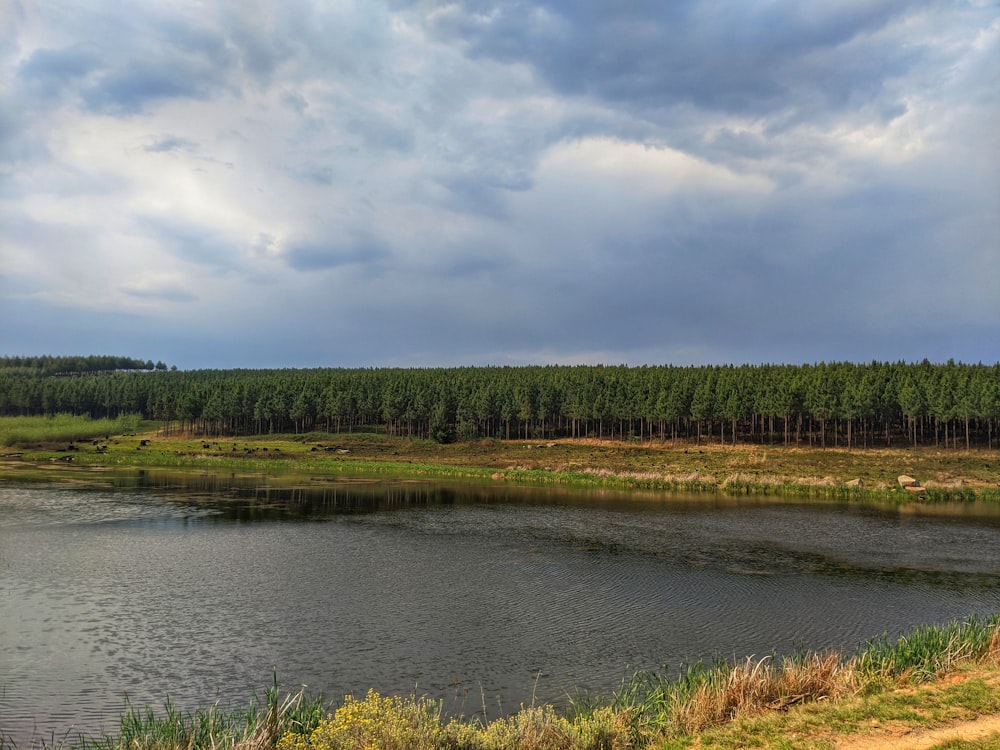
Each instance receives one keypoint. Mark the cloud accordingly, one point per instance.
(52, 71)
(169, 288)
(196, 244)
(646, 171)
(319, 174)
(131, 89)
(169, 144)
(336, 250)
(729, 57)
(380, 133)
(505, 182)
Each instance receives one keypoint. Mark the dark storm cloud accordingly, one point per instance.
(130, 61)
(337, 250)
(53, 70)
(133, 85)
(737, 57)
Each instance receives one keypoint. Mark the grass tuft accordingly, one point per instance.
(257, 726)
(928, 652)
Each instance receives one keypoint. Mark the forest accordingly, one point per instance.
(93, 363)
(839, 404)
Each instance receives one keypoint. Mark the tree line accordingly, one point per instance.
(93, 363)
(827, 404)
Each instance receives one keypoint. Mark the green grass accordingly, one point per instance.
(746, 470)
(821, 725)
(863, 701)
(926, 652)
(948, 475)
(258, 725)
(743, 700)
(987, 744)
(62, 428)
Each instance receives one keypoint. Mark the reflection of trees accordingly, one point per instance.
(271, 497)
(769, 559)
(258, 498)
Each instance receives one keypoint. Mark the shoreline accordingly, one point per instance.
(865, 474)
(935, 686)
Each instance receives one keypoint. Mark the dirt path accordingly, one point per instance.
(921, 739)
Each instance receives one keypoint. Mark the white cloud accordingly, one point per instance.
(641, 172)
(159, 286)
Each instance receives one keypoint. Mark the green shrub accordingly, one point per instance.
(376, 722)
(392, 723)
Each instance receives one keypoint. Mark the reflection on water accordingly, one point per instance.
(195, 587)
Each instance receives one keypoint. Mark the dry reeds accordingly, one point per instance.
(756, 685)
(704, 696)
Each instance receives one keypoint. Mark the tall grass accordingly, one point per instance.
(707, 695)
(24, 431)
(928, 652)
(257, 726)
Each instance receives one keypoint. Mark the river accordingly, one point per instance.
(156, 587)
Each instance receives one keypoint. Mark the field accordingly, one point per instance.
(16, 431)
(945, 474)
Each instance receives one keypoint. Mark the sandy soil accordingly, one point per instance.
(902, 737)
(921, 739)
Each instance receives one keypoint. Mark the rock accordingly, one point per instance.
(906, 481)
(856, 483)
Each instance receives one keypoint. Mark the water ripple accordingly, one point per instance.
(156, 595)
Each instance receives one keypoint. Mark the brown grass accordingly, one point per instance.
(760, 685)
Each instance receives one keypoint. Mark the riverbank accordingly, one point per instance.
(934, 687)
(863, 474)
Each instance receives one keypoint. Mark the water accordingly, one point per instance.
(200, 590)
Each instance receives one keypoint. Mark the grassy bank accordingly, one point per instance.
(62, 428)
(932, 677)
(734, 470)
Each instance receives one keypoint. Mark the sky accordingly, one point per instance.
(307, 183)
